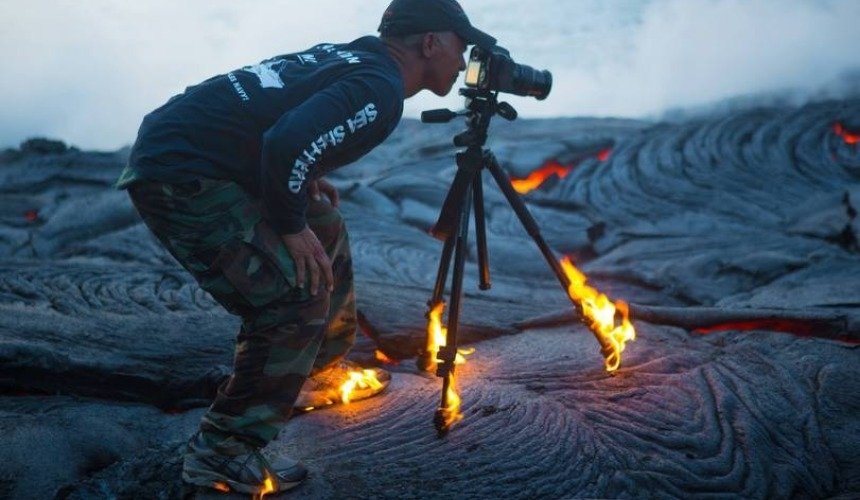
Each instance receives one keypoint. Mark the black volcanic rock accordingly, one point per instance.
(42, 146)
(734, 238)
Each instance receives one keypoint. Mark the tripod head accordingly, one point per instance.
(481, 107)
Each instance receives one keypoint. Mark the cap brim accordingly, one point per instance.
(474, 36)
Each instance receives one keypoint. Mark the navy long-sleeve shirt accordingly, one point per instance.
(276, 125)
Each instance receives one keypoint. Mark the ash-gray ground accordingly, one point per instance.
(733, 237)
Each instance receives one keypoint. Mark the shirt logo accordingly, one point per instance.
(269, 73)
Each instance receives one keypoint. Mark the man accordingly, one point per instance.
(228, 176)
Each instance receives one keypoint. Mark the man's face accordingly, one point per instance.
(447, 63)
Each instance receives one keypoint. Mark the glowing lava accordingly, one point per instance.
(364, 379)
(536, 178)
(848, 137)
(222, 487)
(603, 155)
(382, 358)
(547, 170)
(600, 313)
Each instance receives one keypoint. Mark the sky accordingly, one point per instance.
(87, 71)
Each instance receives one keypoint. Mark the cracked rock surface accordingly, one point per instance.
(734, 237)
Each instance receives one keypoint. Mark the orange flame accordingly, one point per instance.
(451, 414)
(436, 334)
(358, 380)
(382, 358)
(848, 137)
(268, 487)
(600, 312)
(435, 340)
(536, 178)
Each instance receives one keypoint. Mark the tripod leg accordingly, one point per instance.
(481, 233)
(448, 412)
(532, 228)
(523, 214)
(442, 274)
(425, 361)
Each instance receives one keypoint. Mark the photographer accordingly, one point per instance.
(228, 176)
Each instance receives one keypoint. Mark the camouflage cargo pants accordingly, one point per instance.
(216, 231)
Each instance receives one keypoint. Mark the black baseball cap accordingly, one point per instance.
(407, 17)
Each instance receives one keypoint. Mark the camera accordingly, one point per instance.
(494, 70)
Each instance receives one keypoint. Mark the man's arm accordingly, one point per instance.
(351, 115)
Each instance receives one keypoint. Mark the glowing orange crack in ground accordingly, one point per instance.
(848, 137)
(539, 176)
(547, 170)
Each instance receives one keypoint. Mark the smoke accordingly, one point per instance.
(696, 52)
(87, 72)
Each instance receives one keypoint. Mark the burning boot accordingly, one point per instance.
(344, 382)
(247, 471)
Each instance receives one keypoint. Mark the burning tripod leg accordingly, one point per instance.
(448, 412)
(435, 335)
(570, 278)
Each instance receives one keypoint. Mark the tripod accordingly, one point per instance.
(452, 227)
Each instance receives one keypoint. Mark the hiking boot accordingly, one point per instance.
(344, 382)
(248, 472)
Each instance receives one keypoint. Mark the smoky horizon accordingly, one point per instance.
(87, 73)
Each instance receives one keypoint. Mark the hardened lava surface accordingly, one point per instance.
(734, 237)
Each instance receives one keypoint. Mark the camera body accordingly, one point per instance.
(494, 70)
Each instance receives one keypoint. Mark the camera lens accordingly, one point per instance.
(520, 79)
(528, 81)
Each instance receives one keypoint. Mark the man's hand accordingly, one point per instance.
(310, 258)
(321, 186)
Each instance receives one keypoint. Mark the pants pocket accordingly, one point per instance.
(251, 271)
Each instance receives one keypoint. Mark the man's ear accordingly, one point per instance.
(429, 44)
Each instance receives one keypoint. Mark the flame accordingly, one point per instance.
(268, 487)
(536, 178)
(382, 358)
(600, 312)
(451, 414)
(435, 340)
(848, 137)
(358, 380)
(436, 336)
(435, 331)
